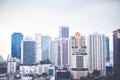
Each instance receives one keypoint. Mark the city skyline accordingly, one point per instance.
(45, 17)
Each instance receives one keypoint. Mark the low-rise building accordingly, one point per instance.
(34, 69)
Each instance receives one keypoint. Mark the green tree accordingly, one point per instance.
(110, 77)
(84, 78)
(44, 74)
(96, 73)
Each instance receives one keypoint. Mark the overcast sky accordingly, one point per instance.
(45, 17)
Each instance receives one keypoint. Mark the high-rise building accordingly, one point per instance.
(78, 52)
(107, 50)
(64, 45)
(64, 32)
(116, 53)
(65, 52)
(96, 52)
(54, 52)
(16, 45)
(28, 51)
(38, 47)
(45, 44)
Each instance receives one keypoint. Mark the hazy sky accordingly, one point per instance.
(45, 17)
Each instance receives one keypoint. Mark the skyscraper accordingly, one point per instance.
(28, 51)
(64, 32)
(45, 44)
(96, 52)
(107, 50)
(38, 47)
(116, 53)
(16, 45)
(64, 45)
(54, 52)
(78, 52)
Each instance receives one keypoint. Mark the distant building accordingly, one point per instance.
(116, 53)
(107, 50)
(63, 75)
(64, 45)
(38, 47)
(78, 52)
(34, 69)
(3, 68)
(111, 58)
(16, 45)
(1, 59)
(28, 51)
(64, 32)
(45, 44)
(12, 64)
(109, 68)
(51, 71)
(96, 52)
(54, 52)
(78, 74)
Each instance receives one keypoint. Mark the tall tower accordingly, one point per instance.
(96, 52)
(54, 52)
(45, 44)
(116, 53)
(64, 45)
(38, 47)
(64, 32)
(78, 52)
(16, 45)
(28, 53)
(107, 50)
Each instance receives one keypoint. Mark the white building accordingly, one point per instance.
(96, 52)
(12, 64)
(38, 47)
(34, 69)
(54, 52)
(78, 52)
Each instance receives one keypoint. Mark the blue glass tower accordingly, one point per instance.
(64, 32)
(107, 56)
(45, 42)
(28, 52)
(16, 45)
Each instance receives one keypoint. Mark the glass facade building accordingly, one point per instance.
(28, 52)
(16, 45)
(64, 32)
(107, 51)
(45, 45)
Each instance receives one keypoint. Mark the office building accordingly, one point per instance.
(54, 52)
(28, 51)
(64, 45)
(96, 52)
(78, 52)
(45, 45)
(107, 50)
(116, 53)
(64, 32)
(38, 47)
(16, 45)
